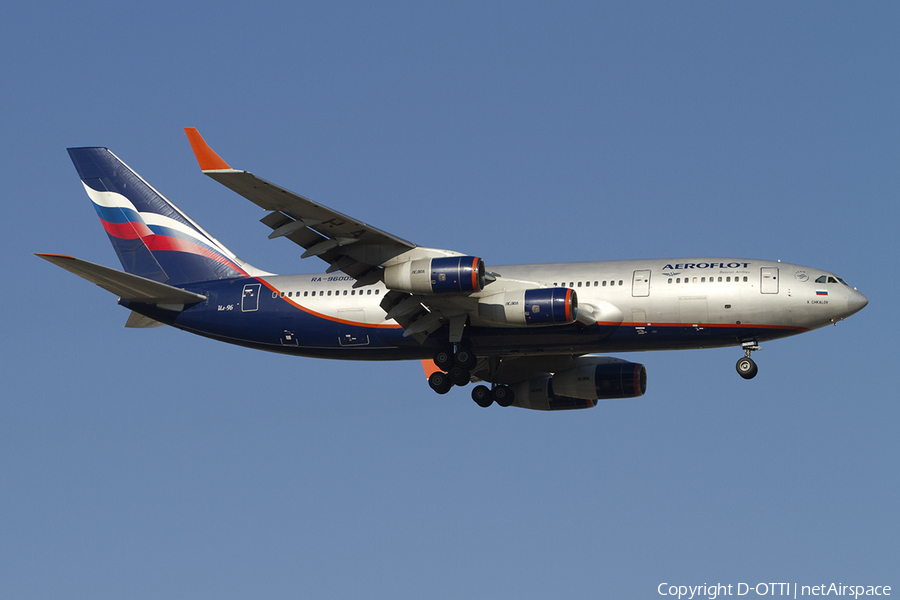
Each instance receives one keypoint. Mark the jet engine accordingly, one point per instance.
(544, 306)
(450, 274)
(581, 387)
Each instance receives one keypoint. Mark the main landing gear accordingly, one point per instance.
(484, 396)
(456, 369)
(746, 368)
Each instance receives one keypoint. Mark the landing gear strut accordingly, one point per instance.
(746, 368)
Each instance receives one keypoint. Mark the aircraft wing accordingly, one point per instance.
(428, 287)
(346, 244)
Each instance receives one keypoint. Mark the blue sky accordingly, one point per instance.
(151, 463)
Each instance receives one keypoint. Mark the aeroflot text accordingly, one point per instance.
(731, 265)
(771, 589)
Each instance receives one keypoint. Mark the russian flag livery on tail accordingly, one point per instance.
(151, 236)
(529, 336)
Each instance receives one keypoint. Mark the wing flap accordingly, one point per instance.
(125, 285)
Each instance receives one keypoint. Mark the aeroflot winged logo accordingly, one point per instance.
(708, 265)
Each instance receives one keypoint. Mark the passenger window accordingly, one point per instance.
(695, 280)
(703, 280)
(368, 292)
(720, 280)
(377, 292)
(305, 294)
(670, 280)
(621, 282)
(571, 284)
(728, 279)
(745, 279)
(604, 284)
(596, 283)
(579, 284)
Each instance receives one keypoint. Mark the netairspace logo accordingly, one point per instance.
(771, 589)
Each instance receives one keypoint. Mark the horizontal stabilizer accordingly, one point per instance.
(125, 285)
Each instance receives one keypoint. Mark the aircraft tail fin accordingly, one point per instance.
(151, 236)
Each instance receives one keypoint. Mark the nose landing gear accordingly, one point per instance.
(746, 368)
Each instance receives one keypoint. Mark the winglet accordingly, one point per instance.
(208, 159)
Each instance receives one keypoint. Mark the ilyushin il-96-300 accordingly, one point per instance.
(527, 335)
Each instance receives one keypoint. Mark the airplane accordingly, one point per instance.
(532, 336)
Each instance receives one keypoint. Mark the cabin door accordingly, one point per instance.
(640, 284)
(768, 280)
(250, 297)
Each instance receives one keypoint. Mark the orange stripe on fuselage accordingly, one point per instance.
(739, 326)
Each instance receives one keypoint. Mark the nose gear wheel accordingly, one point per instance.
(746, 368)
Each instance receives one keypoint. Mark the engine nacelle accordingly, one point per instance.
(611, 378)
(581, 387)
(450, 274)
(537, 394)
(543, 306)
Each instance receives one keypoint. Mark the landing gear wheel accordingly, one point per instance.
(443, 359)
(482, 396)
(746, 368)
(459, 376)
(440, 382)
(503, 395)
(466, 359)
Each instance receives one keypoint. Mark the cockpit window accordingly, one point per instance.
(830, 279)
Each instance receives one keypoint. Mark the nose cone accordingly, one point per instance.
(856, 302)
